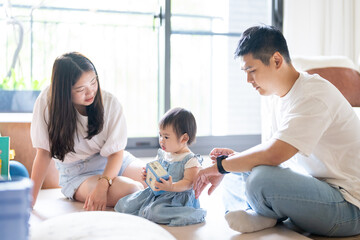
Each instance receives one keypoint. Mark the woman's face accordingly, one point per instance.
(83, 92)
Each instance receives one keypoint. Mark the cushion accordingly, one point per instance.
(347, 80)
(98, 225)
(304, 63)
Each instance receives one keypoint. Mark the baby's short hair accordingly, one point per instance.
(182, 121)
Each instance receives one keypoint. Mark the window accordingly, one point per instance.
(147, 64)
(118, 36)
(204, 75)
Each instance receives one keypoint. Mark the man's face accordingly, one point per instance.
(258, 74)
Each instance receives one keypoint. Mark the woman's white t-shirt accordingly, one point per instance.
(315, 118)
(111, 139)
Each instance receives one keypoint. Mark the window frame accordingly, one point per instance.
(147, 146)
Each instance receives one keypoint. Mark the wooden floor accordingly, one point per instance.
(323, 238)
(315, 237)
(51, 203)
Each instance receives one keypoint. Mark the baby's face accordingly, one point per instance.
(169, 141)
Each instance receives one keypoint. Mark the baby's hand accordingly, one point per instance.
(164, 185)
(143, 173)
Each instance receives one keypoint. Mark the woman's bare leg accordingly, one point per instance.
(134, 171)
(121, 187)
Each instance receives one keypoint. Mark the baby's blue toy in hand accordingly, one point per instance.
(155, 171)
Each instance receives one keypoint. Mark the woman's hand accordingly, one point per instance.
(164, 185)
(97, 199)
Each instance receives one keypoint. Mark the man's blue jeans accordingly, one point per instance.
(309, 203)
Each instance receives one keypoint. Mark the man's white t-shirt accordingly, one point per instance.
(111, 139)
(315, 118)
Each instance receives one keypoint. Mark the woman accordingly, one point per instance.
(83, 129)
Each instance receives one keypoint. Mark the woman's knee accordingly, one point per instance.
(128, 185)
(134, 171)
(121, 187)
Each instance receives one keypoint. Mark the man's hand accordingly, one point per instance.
(220, 151)
(205, 176)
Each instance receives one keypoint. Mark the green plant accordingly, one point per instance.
(5, 84)
(36, 84)
(15, 83)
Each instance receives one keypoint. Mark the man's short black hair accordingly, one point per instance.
(262, 42)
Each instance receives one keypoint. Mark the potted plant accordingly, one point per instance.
(18, 96)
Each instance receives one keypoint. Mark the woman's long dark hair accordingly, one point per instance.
(67, 70)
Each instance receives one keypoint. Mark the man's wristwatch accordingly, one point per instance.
(220, 167)
(107, 178)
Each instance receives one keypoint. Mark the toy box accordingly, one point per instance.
(15, 208)
(154, 171)
(4, 157)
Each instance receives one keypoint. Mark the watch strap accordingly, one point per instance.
(109, 180)
(220, 167)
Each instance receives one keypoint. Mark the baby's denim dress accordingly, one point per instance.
(170, 208)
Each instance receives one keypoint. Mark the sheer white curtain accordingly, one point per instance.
(323, 28)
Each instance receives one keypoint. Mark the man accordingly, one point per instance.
(312, 125)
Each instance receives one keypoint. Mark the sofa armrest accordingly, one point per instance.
(339, 70)
(347, 80)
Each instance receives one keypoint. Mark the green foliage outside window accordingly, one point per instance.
(18, 83)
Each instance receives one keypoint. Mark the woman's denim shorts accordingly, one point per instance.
(72, 175)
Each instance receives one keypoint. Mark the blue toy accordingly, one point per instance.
(155, 171)
(18, 170)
